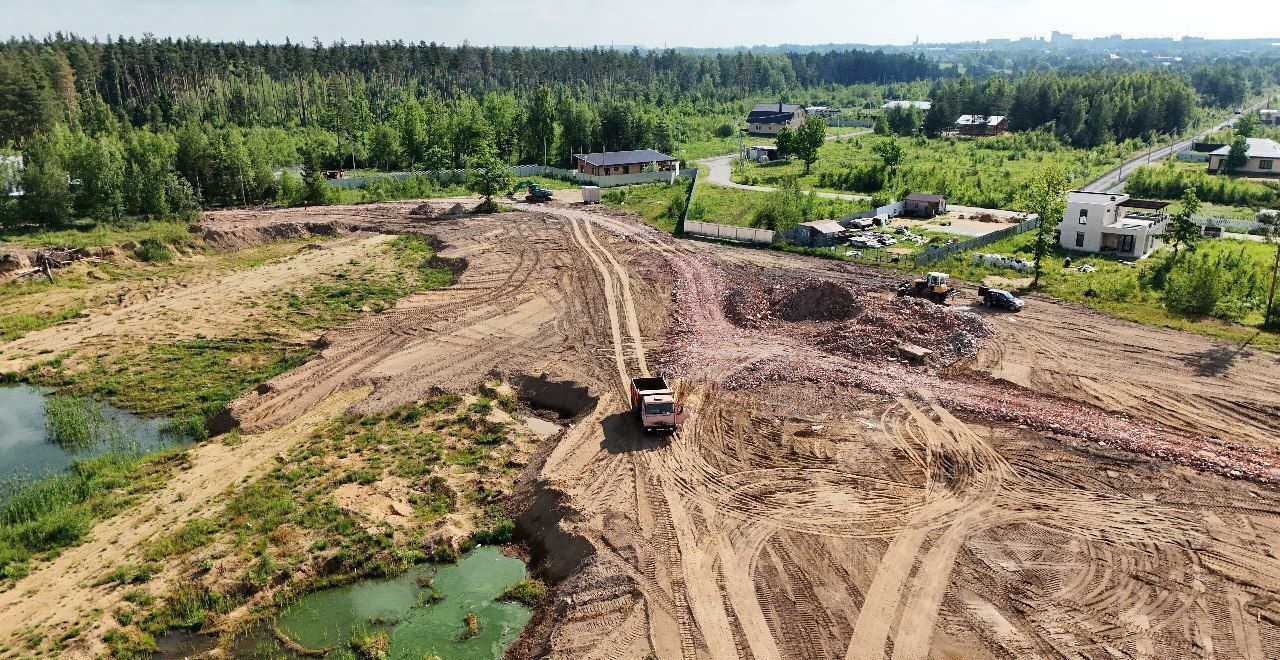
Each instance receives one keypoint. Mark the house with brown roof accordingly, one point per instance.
(978, 125)
(924, 205)
(609, 163)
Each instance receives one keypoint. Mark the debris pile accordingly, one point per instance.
(843, 319)
(731, 333)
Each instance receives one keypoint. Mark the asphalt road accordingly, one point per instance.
(1116, 176)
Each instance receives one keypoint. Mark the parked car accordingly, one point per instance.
(999, 299)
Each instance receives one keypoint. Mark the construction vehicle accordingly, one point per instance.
(933, 288)
(536, 192)
(999, 299)
(654, 403)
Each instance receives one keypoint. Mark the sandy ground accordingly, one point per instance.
(1065, 491)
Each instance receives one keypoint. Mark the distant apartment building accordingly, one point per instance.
(1264, 154)
(1115, 224)
(771, 118)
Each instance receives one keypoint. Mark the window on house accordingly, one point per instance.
(1079, 239)
(1084, 216)
(1264, 164)
(1125, 243)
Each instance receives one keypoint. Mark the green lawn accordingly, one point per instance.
(727, 206)
(986, 172)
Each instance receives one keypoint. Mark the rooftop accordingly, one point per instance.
(979, 120)
(610, 158)
(825, 226)
(1258, 148)
(924, 197)
(923, 105)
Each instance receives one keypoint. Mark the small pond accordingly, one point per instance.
(399, 606)
(28, 452)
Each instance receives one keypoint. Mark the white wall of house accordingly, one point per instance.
(1254, 166)
(1091, 215)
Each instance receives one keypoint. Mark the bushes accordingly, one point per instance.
(529, 592)
(151, 250)
(1168, 181)
(1226, 285)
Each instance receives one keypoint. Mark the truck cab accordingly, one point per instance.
(654, 403)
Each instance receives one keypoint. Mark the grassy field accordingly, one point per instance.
(276, 531)
(657, 203)
(985, 172)
(1131, 292)
(191, 380)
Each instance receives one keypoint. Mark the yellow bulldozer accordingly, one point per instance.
(933, 287)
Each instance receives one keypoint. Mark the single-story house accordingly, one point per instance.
(921, 105)
(609, 163)
(771, 118)
(982, 124)
(1264, 154)
(1112, 223)
(1269, 116)
(818, 233)
(763, 153)
(821, 111)
(924, 205)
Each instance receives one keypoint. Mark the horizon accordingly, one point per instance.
(745, 24)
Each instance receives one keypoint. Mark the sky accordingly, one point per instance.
(699, 23)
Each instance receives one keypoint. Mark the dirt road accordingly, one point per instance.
(1059, 485)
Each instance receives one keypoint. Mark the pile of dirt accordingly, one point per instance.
(844, 319)
(423, 210)
(227, 237)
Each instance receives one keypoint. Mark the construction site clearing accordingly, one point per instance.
(858, 475)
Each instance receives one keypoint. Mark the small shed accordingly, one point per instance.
(818, 233)
(763, 153)
(924, 205)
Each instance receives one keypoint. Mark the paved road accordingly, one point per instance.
(1112, 179)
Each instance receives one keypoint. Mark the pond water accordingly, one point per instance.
(27, 452)
(329, 618)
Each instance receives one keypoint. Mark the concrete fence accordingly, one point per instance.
(728, 232)
(460, 176)
(932, 255)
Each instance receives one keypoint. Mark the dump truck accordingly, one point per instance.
(933, 288)
(999, 299)
(654, 403)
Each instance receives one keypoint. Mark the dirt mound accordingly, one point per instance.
(226, 237)
(842, 318)
(423, 210)
(813, 300)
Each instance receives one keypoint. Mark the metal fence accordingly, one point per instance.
(728, 232)
(930, 256)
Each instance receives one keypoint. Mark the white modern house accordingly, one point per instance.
(1264, 157)
(1112, 223)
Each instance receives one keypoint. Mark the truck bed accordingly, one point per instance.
(650, 384)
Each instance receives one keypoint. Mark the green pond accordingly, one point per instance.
(27, 452)
(329, 618)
